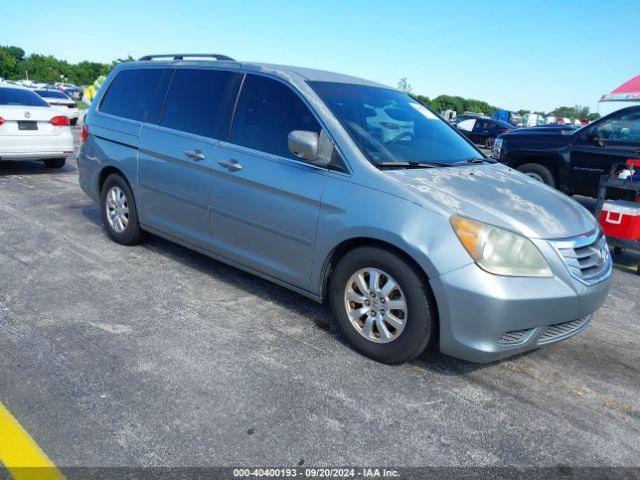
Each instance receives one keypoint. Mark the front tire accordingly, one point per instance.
(119, 213)
(538, 172)
(382, 305)
(55, 162)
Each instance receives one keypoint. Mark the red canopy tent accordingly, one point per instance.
(629, 91)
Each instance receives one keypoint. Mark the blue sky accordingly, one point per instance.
(536, 55)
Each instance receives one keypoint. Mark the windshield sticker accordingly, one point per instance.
(424, 111)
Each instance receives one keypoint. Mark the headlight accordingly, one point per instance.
(497, 146)
(499, 251)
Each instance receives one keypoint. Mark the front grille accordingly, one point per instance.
(587, 257)
(514, 337)
(561, 330)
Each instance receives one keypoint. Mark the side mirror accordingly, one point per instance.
(595, 138)
(304, 145)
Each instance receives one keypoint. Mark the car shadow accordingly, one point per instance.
(31, 167)
(441, 364)
(431, 360)
(230, 275)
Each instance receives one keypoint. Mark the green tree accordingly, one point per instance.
(404, 85)
(8, 64)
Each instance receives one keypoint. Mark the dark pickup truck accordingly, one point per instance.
(569, 159)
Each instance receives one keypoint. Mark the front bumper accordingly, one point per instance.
(485, 317)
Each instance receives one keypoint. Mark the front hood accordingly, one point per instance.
(560, 135)
(500, 196)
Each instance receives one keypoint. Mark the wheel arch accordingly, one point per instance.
(550, 161)
(108, 170)
(346, 246)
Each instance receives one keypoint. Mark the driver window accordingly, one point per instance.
(624, 128)
(266, 113)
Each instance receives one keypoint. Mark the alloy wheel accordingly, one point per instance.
(376, 305)
(117, 208)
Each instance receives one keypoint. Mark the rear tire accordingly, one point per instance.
(489, 141)
(55, 162)
(385, 340)
(538, 172)
(119, 213)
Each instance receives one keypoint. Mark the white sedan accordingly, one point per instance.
(62, 102)
(30, 129)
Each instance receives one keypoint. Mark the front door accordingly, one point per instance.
(266, 201)
(176, 156)
(612, 140)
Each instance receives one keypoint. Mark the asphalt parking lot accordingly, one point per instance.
(159, 356)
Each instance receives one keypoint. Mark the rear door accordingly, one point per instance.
(266, 201)
(620, 135)
(177, 151)
(482, 130)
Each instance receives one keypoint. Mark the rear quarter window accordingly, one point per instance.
(129, 94)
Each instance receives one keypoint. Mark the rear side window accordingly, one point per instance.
(201, 102)
(18, 96)
(129, 94)
(267, 111)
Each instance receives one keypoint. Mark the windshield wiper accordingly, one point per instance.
(414, 164)
(478, 160)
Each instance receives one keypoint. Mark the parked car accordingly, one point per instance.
(467, 116)
(483, 130)
(62, 102)
(30, 129)
(411, 241)
(573, 158)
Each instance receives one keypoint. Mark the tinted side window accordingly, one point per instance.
(130, 93)
(621, 128)
(201, 102)
(267, 112)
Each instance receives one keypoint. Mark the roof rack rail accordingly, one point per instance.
(181, 56)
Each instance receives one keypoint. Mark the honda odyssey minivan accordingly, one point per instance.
(412, 239)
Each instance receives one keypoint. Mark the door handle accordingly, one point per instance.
(195, 154)
(231, 164)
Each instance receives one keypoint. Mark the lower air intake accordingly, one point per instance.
(560, 330)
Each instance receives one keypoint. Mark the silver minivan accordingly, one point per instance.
(409, 233)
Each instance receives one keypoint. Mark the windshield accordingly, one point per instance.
(51, 94)
(391, 127)
(17, 96)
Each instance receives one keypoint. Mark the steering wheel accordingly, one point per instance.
(399, 136)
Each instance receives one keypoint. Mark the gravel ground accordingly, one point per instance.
(158, 356)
